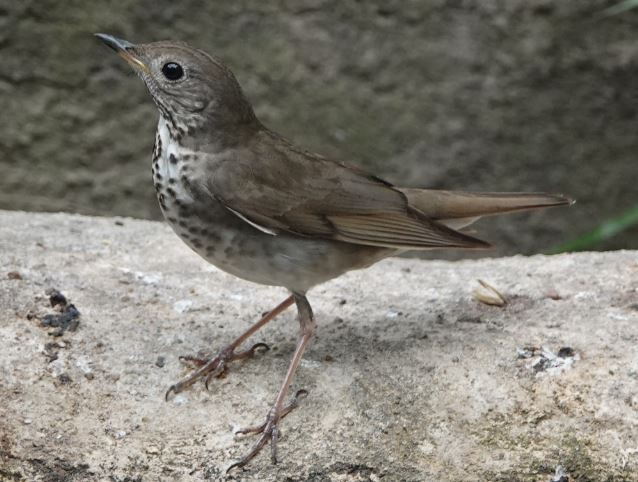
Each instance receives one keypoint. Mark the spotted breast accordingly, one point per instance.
(171, 165)
(227, 240)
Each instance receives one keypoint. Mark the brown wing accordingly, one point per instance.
(279, 188)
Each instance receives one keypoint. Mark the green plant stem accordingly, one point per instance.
(620, 7)
(603, 232)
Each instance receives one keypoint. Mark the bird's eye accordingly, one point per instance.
(172, 71)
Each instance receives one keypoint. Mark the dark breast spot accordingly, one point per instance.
(157, 149)
(172, 158)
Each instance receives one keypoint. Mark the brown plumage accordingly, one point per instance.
(256, 206)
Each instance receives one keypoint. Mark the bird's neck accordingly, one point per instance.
(216, 131)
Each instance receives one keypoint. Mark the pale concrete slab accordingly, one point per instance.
(409, 378)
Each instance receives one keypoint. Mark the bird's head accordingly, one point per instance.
(191, 89)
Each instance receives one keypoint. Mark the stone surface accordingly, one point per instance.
(409, 378)
(472, 94)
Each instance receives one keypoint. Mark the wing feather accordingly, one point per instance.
(277, 188)
(393, 230)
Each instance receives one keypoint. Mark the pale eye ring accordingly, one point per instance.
(172, 71)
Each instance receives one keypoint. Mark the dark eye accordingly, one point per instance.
(173, 71)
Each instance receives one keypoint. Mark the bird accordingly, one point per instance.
(260, 208)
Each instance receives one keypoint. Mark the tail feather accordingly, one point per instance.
(458, 209)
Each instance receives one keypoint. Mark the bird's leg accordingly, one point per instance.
(215, 366)
(270, 428)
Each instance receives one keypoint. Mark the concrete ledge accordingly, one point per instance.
(410, 377)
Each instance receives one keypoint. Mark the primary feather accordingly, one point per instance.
(278, 188)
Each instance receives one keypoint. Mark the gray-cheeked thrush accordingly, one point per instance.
(260, 208)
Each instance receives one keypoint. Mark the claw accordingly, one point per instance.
(249, 456)
(258, 346)
(210, 368)
(268, 430)
(250, 352)
(294, 402)
(171, 389)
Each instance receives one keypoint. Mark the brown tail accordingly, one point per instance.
(459, 209)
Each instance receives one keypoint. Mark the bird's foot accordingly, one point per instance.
(212, 367)
(269, 430)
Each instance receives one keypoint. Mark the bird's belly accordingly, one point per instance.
(284, 260)
(234, 246)
(296, 263)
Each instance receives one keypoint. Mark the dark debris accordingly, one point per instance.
(560, 475)
(55, 297)
(65, 379)
(51, 350)
(68, 317)
(565, 351)
(542, 359)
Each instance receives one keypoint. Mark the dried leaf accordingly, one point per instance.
(488, 295)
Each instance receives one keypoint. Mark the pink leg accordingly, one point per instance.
(269, 429)
(216, 366)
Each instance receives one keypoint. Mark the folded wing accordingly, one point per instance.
(278, 188)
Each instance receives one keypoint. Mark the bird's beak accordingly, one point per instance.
(124, 49)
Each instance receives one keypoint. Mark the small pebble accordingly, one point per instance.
(64, 379)
(14, 275)
(565, 351)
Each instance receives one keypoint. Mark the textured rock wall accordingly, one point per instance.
(482, 95)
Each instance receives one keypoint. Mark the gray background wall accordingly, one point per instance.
(479, 95)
